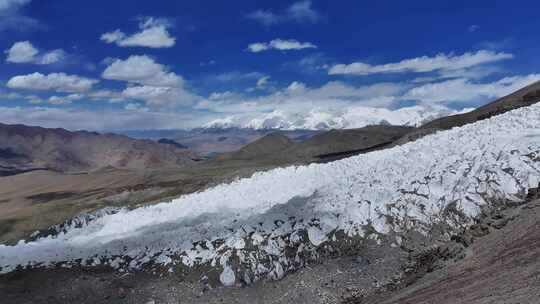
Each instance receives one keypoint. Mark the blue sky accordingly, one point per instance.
(113, 65)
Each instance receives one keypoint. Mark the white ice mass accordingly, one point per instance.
(248, 227)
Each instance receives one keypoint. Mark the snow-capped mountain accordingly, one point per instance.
(276, 221)
(347, 118)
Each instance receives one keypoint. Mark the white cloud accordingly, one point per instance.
(11, 17)
(25, 52)
(223, 95)
(296, 86)
(154, 34)
(160, 96)
(422, 64)
(262, 82)
(281, 45)
(6, 5)
(114, 36)
(476, 72)
(59, 82)
(108, 95)
(258, 47)
(265, 17)
(235, 76)
(300, 12)
(35, 99)
(332, 105)
(297, 98)
(337, 104)
(464, 90)
(473, 28)
(54, 99)
(21, 52)
(57, 100)
(132, 106)
(10, 95)
(53, 56)
(155, 84)
(103, 120)
(142, 70)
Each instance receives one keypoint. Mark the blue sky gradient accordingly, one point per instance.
(202, 55)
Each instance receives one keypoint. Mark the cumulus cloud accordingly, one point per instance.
(300, 12)
(160, 96)
(298, 97)
(440, 62)
(333, 105)
(155, 84)
(59, 82)
(154, 33)
(465, 90)
(142, 70)
(281, 45)
(11, 17)
(337, 104)
(25, 52)
(57, 100)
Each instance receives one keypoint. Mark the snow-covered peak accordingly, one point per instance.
(347, 118)
(221, 123)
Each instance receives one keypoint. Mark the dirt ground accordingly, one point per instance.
(39, 199)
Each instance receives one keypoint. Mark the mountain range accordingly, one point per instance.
(348, 118)
(25, 148)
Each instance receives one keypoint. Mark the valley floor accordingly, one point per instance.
(39, 199)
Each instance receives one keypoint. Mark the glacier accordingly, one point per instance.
(276, 221)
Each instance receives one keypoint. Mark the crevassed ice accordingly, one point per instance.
(498, 157)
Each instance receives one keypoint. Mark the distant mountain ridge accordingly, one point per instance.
(25, 148)
(341, 143)
(350, 118)
(281, 148)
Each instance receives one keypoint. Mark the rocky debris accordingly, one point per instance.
(438, 257)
